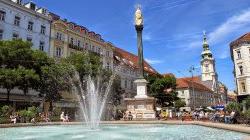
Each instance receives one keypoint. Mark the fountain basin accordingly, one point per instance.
(120, 131)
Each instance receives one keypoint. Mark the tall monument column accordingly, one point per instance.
(141, 106)
(140, 82)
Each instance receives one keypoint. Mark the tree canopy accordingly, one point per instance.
(157, 88)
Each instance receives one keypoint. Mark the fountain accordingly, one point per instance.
(92, 96)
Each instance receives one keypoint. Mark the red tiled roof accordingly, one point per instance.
(131, 60)
(243, 39)
(188, 82)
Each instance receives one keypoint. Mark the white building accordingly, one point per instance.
(240, 54)
(193, 92)
(25, 21)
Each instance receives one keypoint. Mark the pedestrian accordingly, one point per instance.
(130, 116)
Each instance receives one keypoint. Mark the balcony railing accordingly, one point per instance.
(76, 47)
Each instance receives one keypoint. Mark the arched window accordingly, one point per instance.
(241, 70)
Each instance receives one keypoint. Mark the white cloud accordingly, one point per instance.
(153, 61)
(226, 31)
(235, 23)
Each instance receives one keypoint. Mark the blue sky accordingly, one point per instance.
(173, 29)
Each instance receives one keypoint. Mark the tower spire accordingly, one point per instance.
(206, 53)
(204, 37)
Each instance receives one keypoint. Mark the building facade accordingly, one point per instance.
(128, 70)
(194, 93)
(240, 54)
(25, 21)
(29, 23)
(68, 38)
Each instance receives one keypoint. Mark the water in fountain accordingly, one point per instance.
(92, 96)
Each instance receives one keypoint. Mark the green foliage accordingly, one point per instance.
(116, 93)
(54, 79)
(28, 114)
(180, 103)
(21, 65)
(157, 88)
(5, 111)
(234, 106)
(247, 101)
(85, 64)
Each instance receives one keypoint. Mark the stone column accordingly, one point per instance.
(139, 29)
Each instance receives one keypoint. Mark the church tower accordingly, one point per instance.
(208, 72)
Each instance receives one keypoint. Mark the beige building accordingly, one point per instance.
(68, 37)
(240, 54)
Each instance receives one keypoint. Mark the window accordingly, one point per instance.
(43, 30)
(30, 26)
(41, 46)
(58, 36)
(107, 53)
(2, 15)
(241, 70)
(238, 54)
(93, 48)
(182, 93)
(206, 67)
(108, 65)
(125, 83)
(1, 34)
(99, 50)
(79, 43)
(72, 41)
(17, 21)
(243, 86)
(86, 46)
(58, 52)
(29, 39)
(132, 85)
(15, 36)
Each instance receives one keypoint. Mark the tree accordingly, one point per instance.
(116, 93)
(21, 65)
(247, 101)
(55, 79)
(234, 106)
(28, 79)
(85, 64)
(157, 88)
(180, 103)
(9, 79)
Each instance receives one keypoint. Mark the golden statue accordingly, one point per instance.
(138, 17)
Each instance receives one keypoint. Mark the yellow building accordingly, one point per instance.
(68, 37)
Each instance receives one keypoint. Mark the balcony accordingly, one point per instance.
(76, 47)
